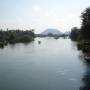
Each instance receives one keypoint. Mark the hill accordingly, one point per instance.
(51, 31)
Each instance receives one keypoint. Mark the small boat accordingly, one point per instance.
(39, 42)
(56, 37)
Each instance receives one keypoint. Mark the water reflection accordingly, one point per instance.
(86, 78)
(53, 64)
(1, 47)
(85, 57)
(81, 56)
(14, 44)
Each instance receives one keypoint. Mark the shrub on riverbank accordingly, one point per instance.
(16, 36)
(74, 33)
(82, 35)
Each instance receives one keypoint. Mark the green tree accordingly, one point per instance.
(85, 27)
(74, 33)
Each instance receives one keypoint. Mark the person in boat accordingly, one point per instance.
(39, 42)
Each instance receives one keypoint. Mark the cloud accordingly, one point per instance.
(36, 8)
(71, 20)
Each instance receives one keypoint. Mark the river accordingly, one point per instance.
(51, 65)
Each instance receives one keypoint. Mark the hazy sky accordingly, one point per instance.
(41, 14)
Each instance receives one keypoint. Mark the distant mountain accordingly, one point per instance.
(51, 31)
(67, 33)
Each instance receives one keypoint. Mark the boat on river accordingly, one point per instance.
(39, 42)
(56, 37)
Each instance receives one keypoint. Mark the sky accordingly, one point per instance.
(41, 14)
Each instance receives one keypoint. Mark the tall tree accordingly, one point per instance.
(74, 33)
(85, 28)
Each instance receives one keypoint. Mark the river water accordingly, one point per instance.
(51, 65)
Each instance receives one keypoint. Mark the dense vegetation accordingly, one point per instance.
(74, 33)
(82, 35)
(15, 36)
(85, 28)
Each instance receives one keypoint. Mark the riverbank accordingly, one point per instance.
(15, 36)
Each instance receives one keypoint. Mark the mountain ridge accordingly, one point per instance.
(51, 31)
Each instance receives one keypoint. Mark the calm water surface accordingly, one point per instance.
(51, 65)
